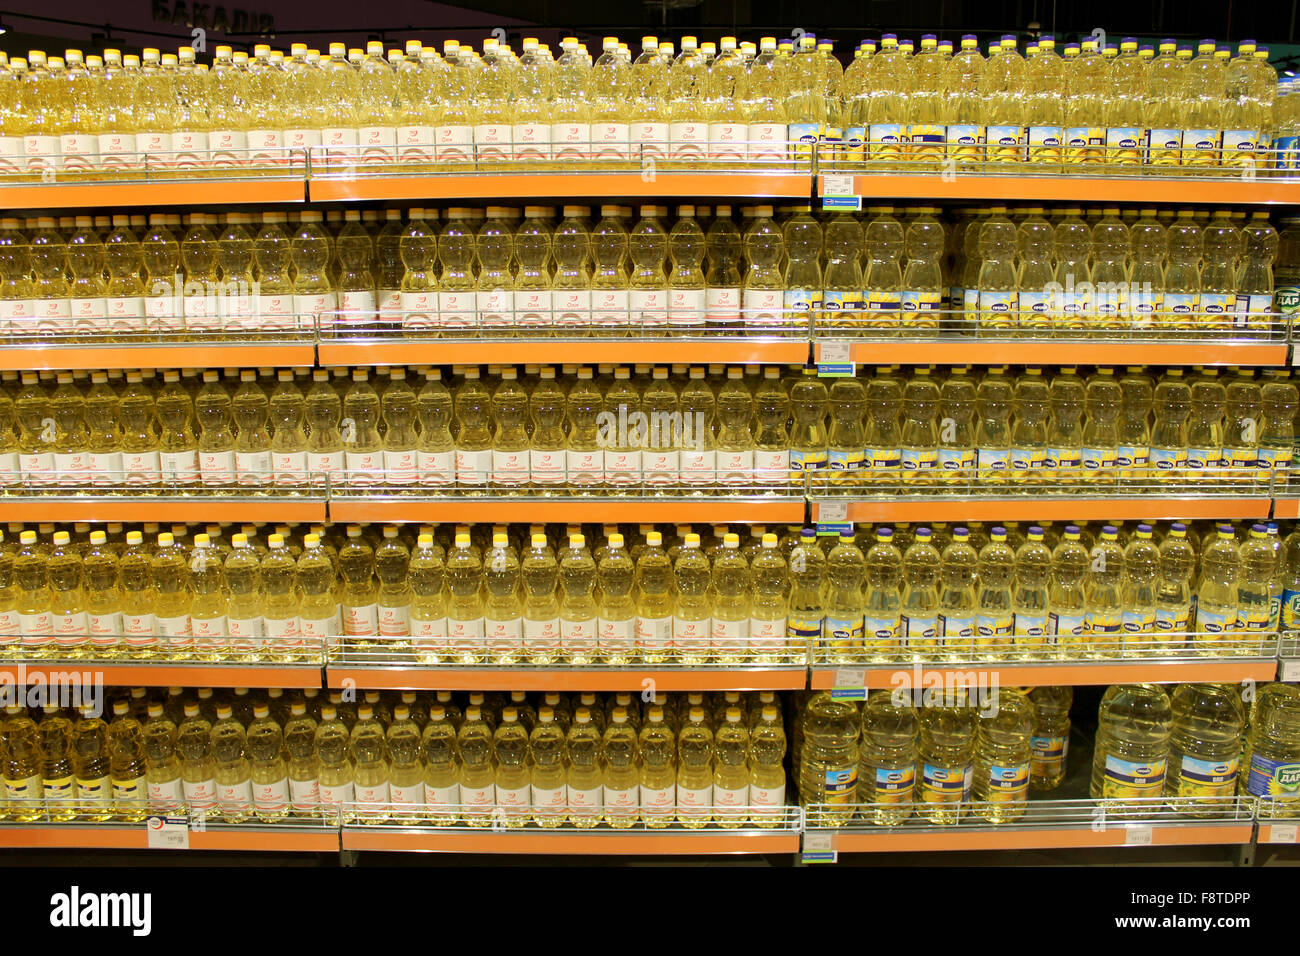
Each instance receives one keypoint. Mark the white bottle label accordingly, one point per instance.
(217, 467)
(453, 310)
(105, 468)
(609, 308)
(654, 633)
(686, 307)
(229, 147)
(38, 626)
(649, 141)
(378, 144)
(376, 795)
(571, 308)
(730, 635)
(699, 467)
(586, 467)
(723, 797)
(235, 796)
(179, 467)
(443, 796)
(70, 630)
(585, 800)
(648, 308)
(104, 628)
(333, 795)
(510, 468)
(661, 467)
(531, 141)
(493, 141)
(617, 636)
(735, 467)
(694, 803)
(547, 467)
(436, 467)
(409, 795)
(658, 801)
(473, 467)
(769, 798)
(401, 467)
(361, 620)
(200, 794)
(165, 793)
(503, 637)
(272, 796)
(252, 467)
(570, 140)
(542, 635)
(478, 797)
(289, 468)
(621, 803)
(331, 463)
(394, 621)
(513, 798)
(578, 637)
(420, 310)
(622, 466)
(416, 143)
(609, 141)
(365, 467)
(690, 635)
(727, 140)
(722, 305)
(304, 795)
(137, 629)
(496, 308)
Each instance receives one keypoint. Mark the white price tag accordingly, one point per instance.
(837, 185)
(1282, 833)
(168, 833)
(849, 683)
(1289, 669)
(819, 847)
(832, 512)
(1139, 834)
(834, 352)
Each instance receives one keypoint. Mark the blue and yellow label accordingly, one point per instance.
(803, 628)
(1008, 784)
(956, 459)
(839, 300)
(919, 459)
(842, 630)
(1047, 755)
(956, 629)
(1290, 608)
(1273, 779)
(1133, 778)
(943, 784)
(895, 784)
(883, 301)
(850, 460)
(841, 785)
(808, 460)
(882, 459)
(1207, 778)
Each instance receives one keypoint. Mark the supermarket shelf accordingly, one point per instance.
(1229, 188)
(381, 183)
(1066, 824)
(394, 350)
(942, 351)
(85, 672)
(98, 506)
(132, 355)
(1277, 821)
(566, 678)
(1179, 658)
(279, 186)
(117, 836)
(1036, 506)
(711, 508)
(500, 834)
(1288, 657)
(1286, 507)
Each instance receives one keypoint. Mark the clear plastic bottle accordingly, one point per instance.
(584, 753)
(1141, 589)
(367, 747)
(763, 301)
(945, 754)
(337, 779)
(1068, 619)
(503, 610)
(1272, 746)
(1131, 753)
(1172, 405)
(1217, 595)
(1003, 757)
(695, 771)
(1205, 745)
(887, 769)
(621, 789)
(231, 768)
(997, 280)
(302, 767)
(1050, 743)
(1174, 596)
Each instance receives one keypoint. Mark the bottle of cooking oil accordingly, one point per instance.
(127, 765)
(90, 766)
(622, 771)
(510, 753)
(207, 583)
(994, 402)
(994, 611)
(163, 775)
(213, 412)
(887, 770)
(318, 615)
(54, 745)
(302, 767)
(232, 771)
(198, 766)
(583, 750)
(1204, 746)
(33, 599)
(843, 624)
(464, 601)
(337, 780)
(1031, 594)
(540, 573)
(393, 598)
(1050, 742)
(503, 610)
(1272, 750)
(828, 765)
(171, 606)
(731, 770)
(691, 610)
(767, 746)
(67, 597)
(545, 766)
(245, 605)
(958, 566)
(657, 746)
(1174, 593)
(1257, 561)
(1217, 595)
(268, 773)
(369, 752)
(359, 594)
(1003, 754)
(1131, 753)
(944, 757)
(695, 771)
(441, 770)
(1103, 593)
(21, 770)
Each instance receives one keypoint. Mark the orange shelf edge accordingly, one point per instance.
(416, 678)
(506, 352)
(603, 843)
(187, 191)
(1286, 507)
(669, 510)
(890, 677)
(93, 837)
(906, 841)
(511, 184)
(73, 671)
(1265, 834)
(1230, 189)
(131, 356)
(952, 508)
(160, 509)
(986, 352)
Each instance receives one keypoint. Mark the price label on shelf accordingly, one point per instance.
(1139, 834)
(837, 193)
(168, 833)
(819, 847)
(834, 512)
(849, 683)
(1288, 669)
(1282, 833)
(835, 359)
